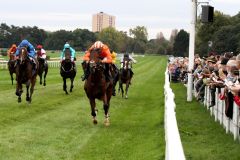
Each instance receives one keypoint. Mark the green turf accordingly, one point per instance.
(202, 137)
(59, 126)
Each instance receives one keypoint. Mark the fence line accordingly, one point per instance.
(218, 111)
(51, 64)
(3, 64)
(174, 149)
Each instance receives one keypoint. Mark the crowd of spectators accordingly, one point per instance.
(215, 71)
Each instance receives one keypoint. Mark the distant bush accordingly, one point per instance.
(3, 52)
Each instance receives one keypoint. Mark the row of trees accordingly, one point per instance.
(81, 39)
(223, 35)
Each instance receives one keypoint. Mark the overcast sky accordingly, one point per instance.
(156, 15)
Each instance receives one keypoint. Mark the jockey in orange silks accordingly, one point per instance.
(104, 54)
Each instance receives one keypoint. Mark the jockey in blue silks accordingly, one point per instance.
(30, 49)
(29, 46)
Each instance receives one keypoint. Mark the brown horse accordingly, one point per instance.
(43, 67)
(125, 77)
(11, 65)
(25, 74)
(67, 70)
(97, 87)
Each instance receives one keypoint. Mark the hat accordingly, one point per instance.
(224, 61)
(228, 55)
(24, 43)
(67, 45)
(39, 47)
(231, 63)
(211, 59)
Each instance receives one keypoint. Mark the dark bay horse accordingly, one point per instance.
(43, 67)
(115, 75)
(97, 87)
(67, 70)
(25, 74)
(125, 77)
(11, 65)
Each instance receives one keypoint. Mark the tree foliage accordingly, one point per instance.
(214, 32)
(181, 44)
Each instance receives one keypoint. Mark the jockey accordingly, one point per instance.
(30, 50)
(131, 59)
(12, 50)
(105, 55)
(114, 56)
(72, 51)
(115, 70)
(41, 53)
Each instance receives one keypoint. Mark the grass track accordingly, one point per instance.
(59, 126)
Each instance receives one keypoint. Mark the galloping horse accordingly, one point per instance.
(96, 86)
(67, 70)
(25, 74)
(43, 67)
(124, 77)
(11, 65)
(115, 74)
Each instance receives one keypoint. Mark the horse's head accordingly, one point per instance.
(23, 55)
(126, 63)
(67, 54)
(95, 61)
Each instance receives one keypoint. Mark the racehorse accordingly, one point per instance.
(11, 65)
(115, 75)
(97, 87)
(25, 74)
(43, 67)
(67, 70)
(124, 77)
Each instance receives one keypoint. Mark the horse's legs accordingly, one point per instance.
(45, 74)
(40, 75)
(72, 79)
(126, 90)
(114, 85)
(11, 74)
(27, 94)
(65, 85)
(19, 92)
(106, 101)
(93, 110)
(121, 88)
(33, 82)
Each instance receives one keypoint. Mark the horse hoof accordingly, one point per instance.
(27, 98)
(95, 121)
(19, 100)
(44, 84)
(106, 122)
(40, 82)
(70, 90)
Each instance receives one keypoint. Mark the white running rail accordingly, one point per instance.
(174, 149)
